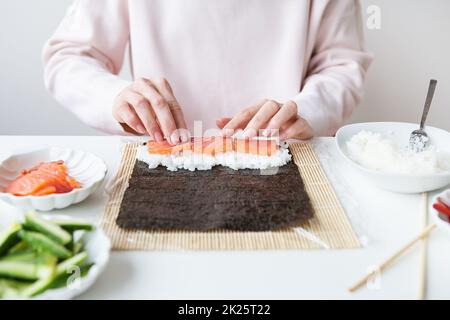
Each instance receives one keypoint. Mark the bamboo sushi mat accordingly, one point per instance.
(328, 229)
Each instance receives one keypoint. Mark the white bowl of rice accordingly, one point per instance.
(379, 151)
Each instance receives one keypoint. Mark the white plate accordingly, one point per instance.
(86, 168)
(97, 246)
(399, 132)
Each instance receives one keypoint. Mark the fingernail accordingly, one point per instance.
(141, 129)
(184, 137)
(175, 137)
(228, 132)
(265, 132)
(249, 133)
(158, 137)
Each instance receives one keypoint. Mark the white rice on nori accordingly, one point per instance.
(194, 161)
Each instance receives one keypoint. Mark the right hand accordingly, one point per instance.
(148, 106)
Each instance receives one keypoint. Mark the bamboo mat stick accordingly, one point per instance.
(386, 263)
(423, 251)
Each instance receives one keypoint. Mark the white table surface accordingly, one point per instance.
(384, 221)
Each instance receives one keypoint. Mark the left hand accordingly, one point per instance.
(266, 118)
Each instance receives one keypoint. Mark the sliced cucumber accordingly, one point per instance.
(37, 287)
(53, 231)
(25, 270)
(77, 245)
(41, 242)
(10, 289)
(76, 260)
(20, 247)
(47, 259)
(58, 279)
(73, 224)
(8, 292)
(61, 280)
(20, 270)
(9, 238)
(21, 256)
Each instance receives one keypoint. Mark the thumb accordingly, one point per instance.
(222, 122)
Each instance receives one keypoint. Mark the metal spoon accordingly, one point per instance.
(419, 139)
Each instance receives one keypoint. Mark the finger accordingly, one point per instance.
(164, 88)
(126, 114)
(143, 109)
(297, 130)
(222, 122)
(116, 111)
(264, 114)
(161, 109)
(288, 124)
(286, 113)
(241, 120)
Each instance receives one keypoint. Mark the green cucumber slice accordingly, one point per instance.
(37, 287)
(20, 247)
(25, 270)
(77, 245)
(51, 230)
(9, 238)
(21, 256)
(76, 260)
(61, 280)
(41, 242)
(73, 224)
(47, 259)
(10, 289)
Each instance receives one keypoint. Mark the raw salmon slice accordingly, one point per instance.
(219, 145)
(43, 179)
(164, 148)
(216, 145)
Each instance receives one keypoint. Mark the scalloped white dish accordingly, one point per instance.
(85, 167)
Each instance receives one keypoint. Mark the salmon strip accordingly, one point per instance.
(219, 145)
(216, 145)
(199, 145)
(43, 179)
(159, 147)
(262, 147)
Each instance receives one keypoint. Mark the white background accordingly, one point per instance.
(411, 47)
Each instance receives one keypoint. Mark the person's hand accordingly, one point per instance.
(150, 107)
(268, 118)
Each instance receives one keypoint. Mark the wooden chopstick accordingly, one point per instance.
(423, 252)
(425, 232)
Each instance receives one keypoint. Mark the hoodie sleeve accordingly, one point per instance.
(334, 82)
(84, 56)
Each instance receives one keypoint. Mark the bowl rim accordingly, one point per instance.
(24, 151)
(392, 174)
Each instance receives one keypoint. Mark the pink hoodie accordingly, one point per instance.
(219, 56)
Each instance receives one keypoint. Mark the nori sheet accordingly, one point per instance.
(221, 198)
